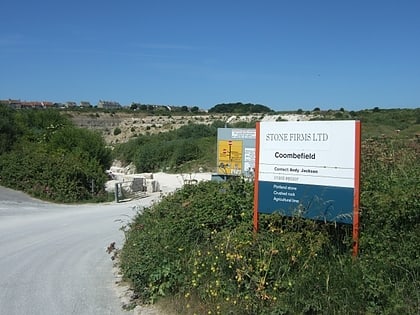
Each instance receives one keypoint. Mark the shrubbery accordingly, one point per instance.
(117, 131)
(8, 130)
(240, 108)
(169, 150)
(198, 247)
(51, 159)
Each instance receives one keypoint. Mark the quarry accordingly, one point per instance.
(119, 126)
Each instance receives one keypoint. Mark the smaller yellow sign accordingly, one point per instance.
(229, 157)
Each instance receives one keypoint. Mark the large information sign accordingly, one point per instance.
(309, 169)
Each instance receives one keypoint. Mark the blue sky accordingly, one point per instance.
(286, 55)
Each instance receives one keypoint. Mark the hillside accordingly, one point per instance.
(119, 127)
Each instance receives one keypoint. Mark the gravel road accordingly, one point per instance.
(53, 258)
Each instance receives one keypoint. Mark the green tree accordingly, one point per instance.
(134, 106)
(239, 108)
(86, 142)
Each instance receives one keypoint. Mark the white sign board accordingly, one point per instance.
(318, 153)
(312, 164)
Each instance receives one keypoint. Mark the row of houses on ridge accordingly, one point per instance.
(18, 104)
(107, 105)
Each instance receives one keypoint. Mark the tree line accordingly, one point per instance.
(240, 108)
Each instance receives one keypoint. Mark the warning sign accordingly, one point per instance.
(229, 157)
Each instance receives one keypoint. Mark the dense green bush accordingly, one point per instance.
(84, 142)
(239, 108)
(117, 131)
(169, 150)
(59, 176)
(38, 125)
(197, 246)
(51, 159)
(182, 222)
(8, 129)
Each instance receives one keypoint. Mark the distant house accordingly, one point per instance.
(18, 104)
(71, 104)
(15, 104)
(109, 105)
(59, 105)
(36, 105)
(84, 104)
(32, 104)
(47, 104)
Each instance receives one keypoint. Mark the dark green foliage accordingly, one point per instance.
(117, 131)
(245, 124)
(197, 246)
(38, 125)
(8, 129)
(218, 124)
(134, 106)
(51, 159)
(239, 108)
(60, 176)
(181, 222)
(86, 143)
(168, 150)
(167, 154)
